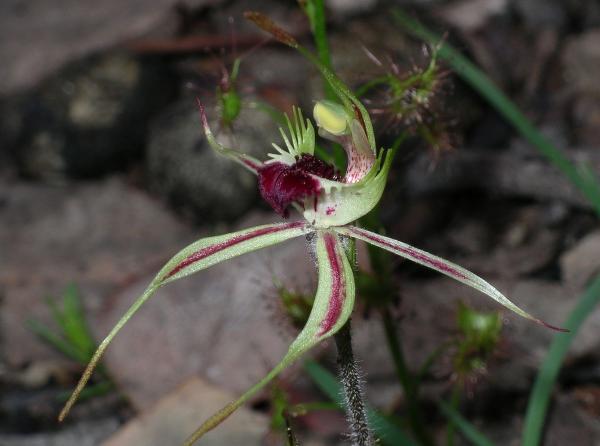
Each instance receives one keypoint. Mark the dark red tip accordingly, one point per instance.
(266, 24)
(280, 185)
(202, 111)
(552, 327)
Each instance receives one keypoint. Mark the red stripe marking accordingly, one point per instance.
(217, 247)
(442, 266)
(338, 291)
(251, 164)
(439, 265)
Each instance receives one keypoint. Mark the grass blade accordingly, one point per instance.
(57, 342)
(546, 378)
(73, 323)
(328, 383)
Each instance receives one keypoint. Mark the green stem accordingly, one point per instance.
(405, 378)
(291, 438)
(315, 11)
(319, 28)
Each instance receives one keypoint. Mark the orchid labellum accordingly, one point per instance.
(329, 202)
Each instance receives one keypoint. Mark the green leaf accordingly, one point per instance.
(437, 263)
(74, 338)
(333, 304)
(74, 325)
(315, 11)
(327, 382)
(195, 257)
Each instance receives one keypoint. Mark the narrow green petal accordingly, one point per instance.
(441, 265)
(195, 257)
(249, 162)
(331, 309)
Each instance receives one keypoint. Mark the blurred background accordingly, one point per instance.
(105, 173)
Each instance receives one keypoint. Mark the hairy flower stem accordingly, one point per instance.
(406, 379)
(350, 378)
(291, 438)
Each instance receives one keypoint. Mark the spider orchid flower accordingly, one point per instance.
(329, 203)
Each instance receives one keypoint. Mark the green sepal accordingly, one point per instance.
(210, 251)
(334, 270)
(443, 266)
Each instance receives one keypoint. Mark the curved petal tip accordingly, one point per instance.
(552, 327)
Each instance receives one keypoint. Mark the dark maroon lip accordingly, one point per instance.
(281, 185)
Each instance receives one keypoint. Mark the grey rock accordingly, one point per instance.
(580, 59)
(526, 245)
(471, 15)
(38, 37)
(350, 7)
(512, 173)
(184, 169)
(91, 117)
(542, 13)
(99, 236)
(85, 433)
(276, 70)
(581, 262)
(177, 415)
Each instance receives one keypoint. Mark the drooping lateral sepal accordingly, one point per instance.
(195, 257)
(441, 265)
(332, 307)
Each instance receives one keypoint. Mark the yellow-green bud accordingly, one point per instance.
(331, 117)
